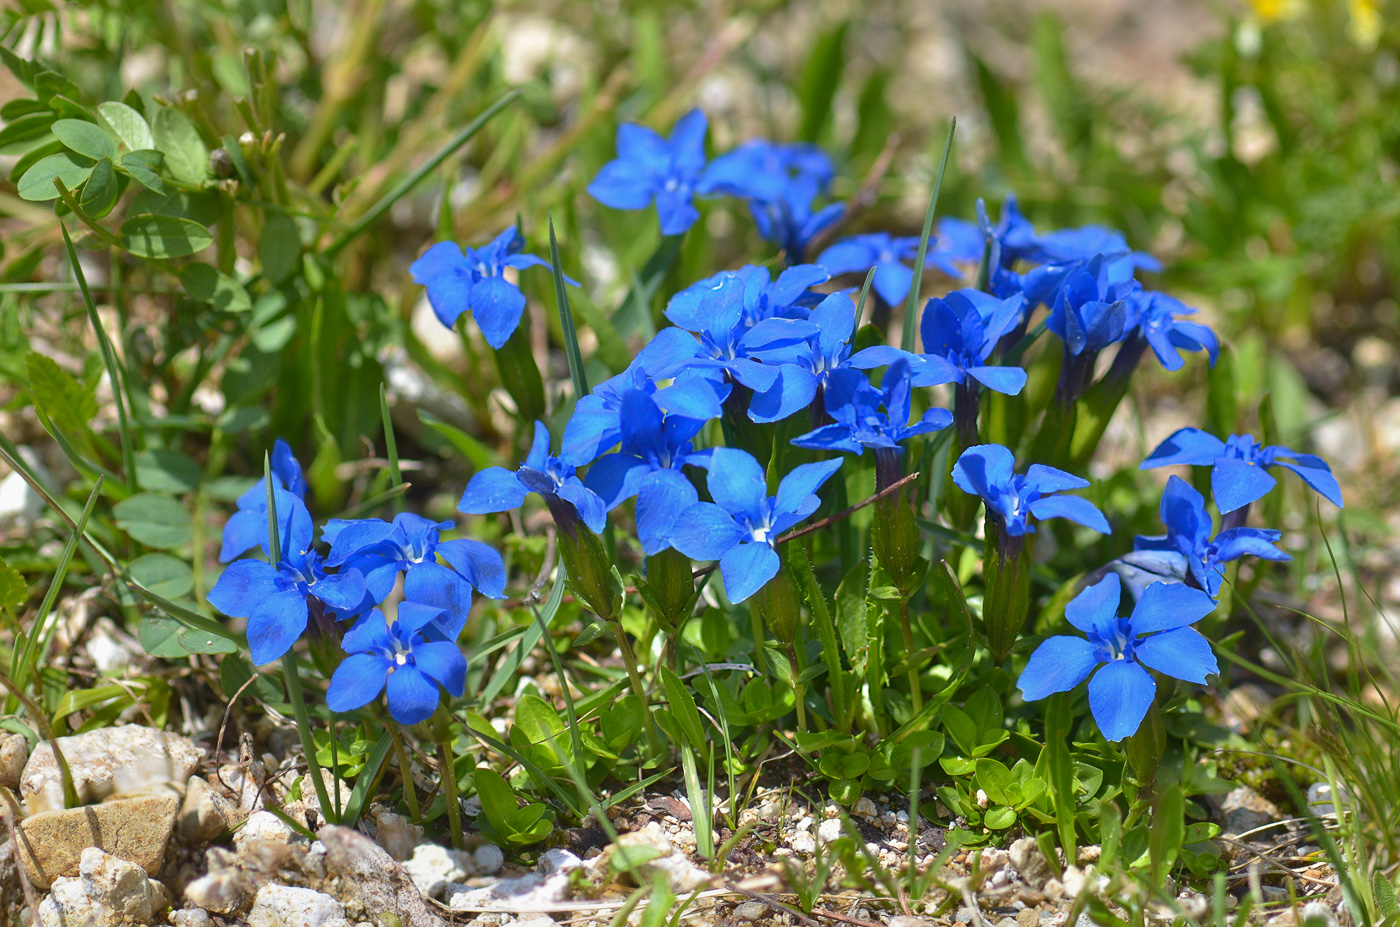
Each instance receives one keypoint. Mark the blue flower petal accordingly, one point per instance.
(275, 625)
(676, 211)
(1314, 471)
(591, 508)
(357, 681)
(620, 186)
(1166, 606)
(737, 482)
(1059, 664)
(796, 490)
(432, 584)
(1186, 446)
(480, 563)
(1073, 508)
(413, 697)
(497, 305)
(370, 633)
(1119, 695)
(1182, 654)
(342, 591)
(705, 532)
(443, 663)
(983, 469)
(1008, 380)
(1236, 483)
(1095, 609)
(747, 568)
(353, 536)
(494, 489)
(793, 390)
(1045, 479)
(892, 282)
(242, 587)
(1240, 542)
(661, 499)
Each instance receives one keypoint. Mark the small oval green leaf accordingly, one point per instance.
(85, 138)
(37, 183)
(163, 236)
(129, 125)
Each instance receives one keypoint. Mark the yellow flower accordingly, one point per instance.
(1365, 26)
(1270, 11)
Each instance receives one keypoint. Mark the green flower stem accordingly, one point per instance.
(916, 695)
(799, 697)
(308, 743)
(410, 793)
(448, 772)
(1006, 574)
(634, 676)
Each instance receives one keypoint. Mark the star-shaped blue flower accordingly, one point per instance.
(807, 366)
(1090, 311)
(247, 527)
(460, 279)
(1239, 465)
(741, 526)
(497, 489)
(398, 657)
(276, 598)
(1119, 651)
(655, 449)
(869, 417)
(649, 167)
(781, 182)
(1188, 548)
(761, 296)
(1156, 318)
(988, 470)
(411, 544)
(887, 255)
(960, 331)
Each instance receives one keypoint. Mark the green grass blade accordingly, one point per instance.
(22, 663)
(542, 620)
(391, 447)
(412, 180)
(864, 295)
(566, 320)
(512, 662)
(366, 779)
(274, 543)
(109, 359)
(911, 303)
(308, 744)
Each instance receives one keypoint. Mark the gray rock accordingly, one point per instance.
(14, 753)
(529, 891)
(432, 868)
(266, 828)
(224, 892)
(136, 829)
(1317, 914)
(803, 842)
(488, 859)
(191, 917)
(19, 503)
(680, 871)
(108, 892)
(1243, 810)
(904, 920)
(378, 883)
(206, 814)
(106, 762)
(1027, 859)
(750, 911)
(288, 906)
(828, 831)
(1321, 801)
(558, 859)
(395, 834)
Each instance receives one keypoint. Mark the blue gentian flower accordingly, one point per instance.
(655, 449)
(596, 423)
(805, 367)
(988, 470)
(780, 182)
(1188, 550)
(1155, 636)
(740, 528)
(459, 280)
(649, 167)
(497, 489)
(960, 331)
(411, 544)
(277, 599)
(869, 417)
(247, 527)
(729, 343)
(1238, 466)
(761, 296)
(1156, 319)
(398, 657)
(887, 255)
(1090, 312)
